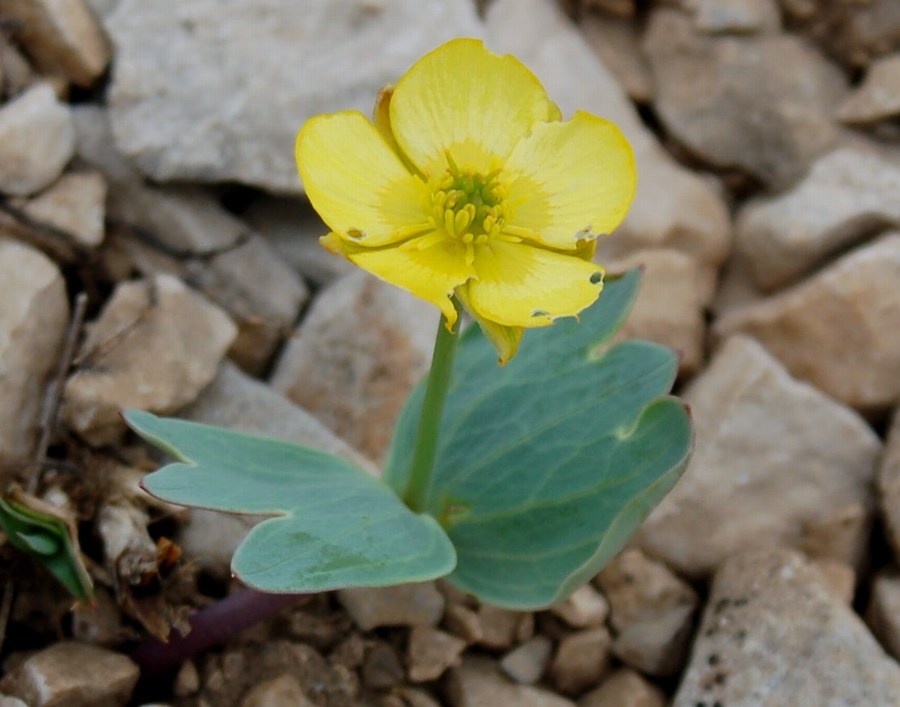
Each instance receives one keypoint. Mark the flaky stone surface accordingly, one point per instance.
(848, 194)
(731, 102)
(773, 455)
(210, 91)
(673, 208)
(34, 313)
(652, 612)
(156, 345)
(838, 329)
(773, 634)
(37, 139)
(355, 357)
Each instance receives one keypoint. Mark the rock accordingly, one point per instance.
(463, 622)
(501, 628)
(206, 94)
(652, 613)
(293, 229)
(235, 400)
(7, 701)
(884, 611)
(888, 485)
(527, 662)
(417, 604)
(848, 193)
(430, 652)
(735, 16)
(673, 208)
(838, 577)
(382, 669)
(811, 458)
(155, 346)
(624, 688)
(615, 42)
(479, 683)
(94, 145)
(277, 692)
(69, 674)
(581, 660)
(34, 314)
(356, 356)
(854, 32)
(16, 72)
(773, 634)
(837, 330)
(63, 38)
(730, 101)
(585, 607)
(878, 98)
(76, 204)
(670, 304)
(840, 534)
(37, 140)
(186, 233)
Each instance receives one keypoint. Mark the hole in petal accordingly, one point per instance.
(355, 234)
(540, 313)
(596, 278)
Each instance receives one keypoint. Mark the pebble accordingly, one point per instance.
(670, 303)
(282, 691)
(500, 629)
(673, 207)
(34, 314)
(527, 662)
(293, 229)
(736, 16)
(582, 659)
(883, 613)
(479, 683)
(185, 232)
(847, 194)
(866, 30)
(355, 357)
(773, 634)
(62, 38)
(419, 604)
(76, 204)
(878, 98)
(732, 104)
(155, 346)
(624, 688)
(381, 668)
(838, 329)
(70, 674)
(812, 457)
(430, 652)
(206, 95)
(888, 485)
(37, 140)
(652, 613)
(585, 607)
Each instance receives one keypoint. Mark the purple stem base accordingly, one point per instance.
(210, 627)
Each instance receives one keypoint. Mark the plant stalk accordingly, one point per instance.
(432, 412)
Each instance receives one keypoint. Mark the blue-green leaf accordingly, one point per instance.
(332, 525)
(546, 467)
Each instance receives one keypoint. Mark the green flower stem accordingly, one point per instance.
(432, 412)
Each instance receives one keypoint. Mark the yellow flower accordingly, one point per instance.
(469, 184)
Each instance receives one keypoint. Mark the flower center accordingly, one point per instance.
(468, 206)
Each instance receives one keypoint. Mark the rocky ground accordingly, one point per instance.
(146, 162)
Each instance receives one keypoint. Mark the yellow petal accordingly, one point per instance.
(431, 273)
(463, 95)
(571, 180)
(520, 285)
(356, 182)
(505, 339)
